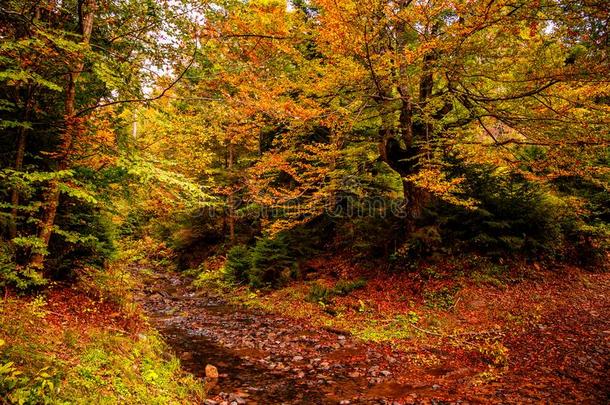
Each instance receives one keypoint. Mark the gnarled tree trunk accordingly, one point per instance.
(405, 159)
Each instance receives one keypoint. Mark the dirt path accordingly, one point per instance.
(267, 359)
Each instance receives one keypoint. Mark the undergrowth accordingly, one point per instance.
(87, 344)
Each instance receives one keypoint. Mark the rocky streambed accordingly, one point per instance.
(266, 359)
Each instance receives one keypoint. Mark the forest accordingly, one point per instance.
(304, 201)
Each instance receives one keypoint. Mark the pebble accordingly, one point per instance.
(236, 400)
(211, 371)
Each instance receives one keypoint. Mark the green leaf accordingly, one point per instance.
(77, 193)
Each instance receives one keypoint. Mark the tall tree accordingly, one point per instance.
(438, 72)
(68, 68)
(76, 64)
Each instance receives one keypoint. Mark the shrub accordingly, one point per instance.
(513, 215)
(319, 293)
(443, 298)
(193, 235)
(322, 294)
(272, 264)
(589, 244)
(113, 284)
(305, 240)
(344, 287)
(84, 236)
(269, 263)
(135, 223)
(13, 275)
(238, 265)
(423, 241)
(588, 232)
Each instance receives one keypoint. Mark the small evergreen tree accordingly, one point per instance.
(272, 263)
(239, 264)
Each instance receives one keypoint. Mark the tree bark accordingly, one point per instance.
(50, 201)
(21, 141)
(231, 201)
(416, 199)
(405, 160)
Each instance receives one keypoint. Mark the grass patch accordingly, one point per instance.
(491, 274)
(397, 328)
(48, 357)
(443, 298)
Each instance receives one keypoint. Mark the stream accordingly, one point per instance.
(266, 359)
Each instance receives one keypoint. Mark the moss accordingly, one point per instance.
(399, 327)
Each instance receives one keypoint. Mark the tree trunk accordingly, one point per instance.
(231, 196)
(21, 140)
(416, 200)
(405, 160)
(50, 201)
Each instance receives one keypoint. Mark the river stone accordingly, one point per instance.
(211, 371)
(236, 399)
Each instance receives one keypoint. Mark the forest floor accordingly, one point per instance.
(528, 337)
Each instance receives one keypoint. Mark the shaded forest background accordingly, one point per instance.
(399, 131)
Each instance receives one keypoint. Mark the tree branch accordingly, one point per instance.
(143, 100)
